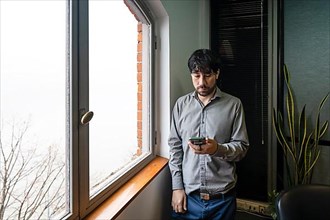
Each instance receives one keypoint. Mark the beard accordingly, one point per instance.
(205, 90)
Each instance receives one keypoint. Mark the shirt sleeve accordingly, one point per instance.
(238, 145)
(176, 151)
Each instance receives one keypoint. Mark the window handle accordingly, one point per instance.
(86, 118)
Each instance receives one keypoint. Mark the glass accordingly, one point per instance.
(118, 103)
(33, 110)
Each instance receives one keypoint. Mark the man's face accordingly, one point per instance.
(204, 83)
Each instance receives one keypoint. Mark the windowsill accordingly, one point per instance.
(115, 204)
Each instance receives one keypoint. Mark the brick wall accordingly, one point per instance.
(139, 89)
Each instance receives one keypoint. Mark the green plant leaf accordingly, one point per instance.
(301, 151)
(290, 108)
(302, 133)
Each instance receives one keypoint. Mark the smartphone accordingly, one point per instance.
(197, 140)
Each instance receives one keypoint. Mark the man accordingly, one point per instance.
(203, 174)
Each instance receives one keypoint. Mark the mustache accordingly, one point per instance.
(203, 87)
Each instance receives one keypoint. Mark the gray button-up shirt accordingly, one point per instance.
(222, 119)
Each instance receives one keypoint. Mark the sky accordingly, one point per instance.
(33, 77)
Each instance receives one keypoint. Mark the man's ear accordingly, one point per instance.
(218, 73)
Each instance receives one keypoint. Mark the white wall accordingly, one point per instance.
(182, 26)
(189, 30)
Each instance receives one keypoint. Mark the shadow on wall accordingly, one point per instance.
(154, 202)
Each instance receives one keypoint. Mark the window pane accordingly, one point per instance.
(33, 110)
(117, 95)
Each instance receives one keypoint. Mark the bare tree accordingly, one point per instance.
(31, 185)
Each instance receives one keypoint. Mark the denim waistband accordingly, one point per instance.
(207, 196)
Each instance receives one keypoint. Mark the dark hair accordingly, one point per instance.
(205, 61)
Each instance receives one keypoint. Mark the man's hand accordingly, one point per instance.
(179, 203)
(210, 147)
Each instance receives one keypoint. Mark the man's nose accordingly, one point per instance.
(201, 80)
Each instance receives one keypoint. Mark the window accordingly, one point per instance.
(76, 108)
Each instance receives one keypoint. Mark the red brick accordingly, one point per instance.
(139, 106)
(139, 86)
(139, 97)
(139, 68)
(139, 115)
(139, 57)
(139, 27)
(139, 46)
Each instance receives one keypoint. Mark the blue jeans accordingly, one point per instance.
(214, 209)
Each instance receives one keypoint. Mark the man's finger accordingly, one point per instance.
(179, 208)
(185, 203)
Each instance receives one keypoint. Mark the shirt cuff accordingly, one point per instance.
(177, 183)
(221, 151)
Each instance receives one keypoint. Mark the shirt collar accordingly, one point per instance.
(217, 94)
